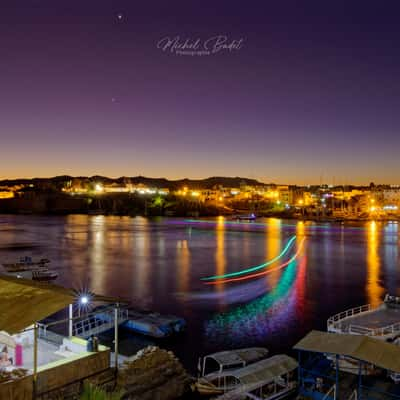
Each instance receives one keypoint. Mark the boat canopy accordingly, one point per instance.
(265, 371)
(363, 348)
(240, 356)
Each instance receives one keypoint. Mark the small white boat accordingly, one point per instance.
(35, 274)
(25, 262)
(28, 269)
(247, 217)
(214, 366)
(270, 379)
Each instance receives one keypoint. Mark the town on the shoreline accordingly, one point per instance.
(193, 198)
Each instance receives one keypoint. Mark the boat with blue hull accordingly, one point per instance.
(146, 323)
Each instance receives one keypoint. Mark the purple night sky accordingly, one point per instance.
(313, 92)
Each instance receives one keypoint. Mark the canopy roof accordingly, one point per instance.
(377, 352)
(265, 371)
(23, 302)
(240, 356)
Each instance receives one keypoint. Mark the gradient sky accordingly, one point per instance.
(312, 95)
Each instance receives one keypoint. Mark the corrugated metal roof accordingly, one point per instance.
(23, 302)
(374, 351)
(265, 371)
(246, 355)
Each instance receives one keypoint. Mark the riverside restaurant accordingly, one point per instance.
(36, 363)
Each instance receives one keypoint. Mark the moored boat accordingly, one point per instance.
(147, 323)
(245, 217)
(272, 378)
(214, 366)
(35, 274)
(321, 375)
(382, 323)
(28, 269)
(25, 262)
(154, 324)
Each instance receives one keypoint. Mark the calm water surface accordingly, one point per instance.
(158, 264)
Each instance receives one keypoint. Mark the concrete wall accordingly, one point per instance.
(66, 373)
(56, 377)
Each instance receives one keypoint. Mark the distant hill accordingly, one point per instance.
(206, 183)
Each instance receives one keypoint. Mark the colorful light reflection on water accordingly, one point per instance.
(256, 319)
(159, 263)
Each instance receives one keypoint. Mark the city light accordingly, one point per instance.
(98, 188)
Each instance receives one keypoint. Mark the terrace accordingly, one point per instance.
(33, 360)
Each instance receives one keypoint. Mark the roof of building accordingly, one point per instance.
(374, 351)
(231, 357)
(24, 302)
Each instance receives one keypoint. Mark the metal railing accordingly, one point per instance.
(348, 313)
(334, 323)
(95, 323)
(45, 333)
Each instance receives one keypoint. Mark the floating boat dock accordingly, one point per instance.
(102, 319)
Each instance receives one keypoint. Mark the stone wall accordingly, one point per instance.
(153, 374)
(19, 389)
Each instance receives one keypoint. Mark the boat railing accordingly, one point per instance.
(334, 321)
(332, 390)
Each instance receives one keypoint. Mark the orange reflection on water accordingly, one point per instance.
(220, 261)
(97, 254)
(273, 246)
(183, 264)
(141, 273)
(374, 288)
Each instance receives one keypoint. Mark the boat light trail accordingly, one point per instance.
(258, 274)
(256, 268)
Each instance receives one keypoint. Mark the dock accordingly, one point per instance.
(97, 322)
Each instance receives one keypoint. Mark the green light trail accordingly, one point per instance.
(257, 267)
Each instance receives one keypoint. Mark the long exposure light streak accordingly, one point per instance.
(253, 322)
(258, 274)
(255, 268)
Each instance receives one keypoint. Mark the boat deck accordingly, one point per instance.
(375, 319)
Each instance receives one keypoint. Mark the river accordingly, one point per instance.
(313, 271)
